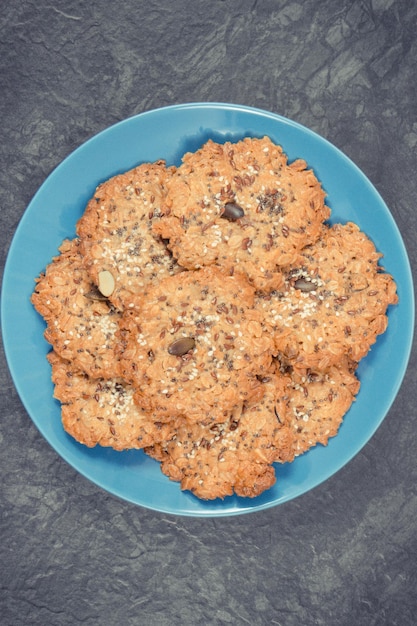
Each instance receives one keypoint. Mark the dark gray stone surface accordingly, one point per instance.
(345, 553)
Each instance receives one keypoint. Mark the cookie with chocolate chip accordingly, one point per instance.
(234, 456)
(242, 205)
(81, 323)
(195, 346)
(121, 253)
(98, 411)
(334, 302)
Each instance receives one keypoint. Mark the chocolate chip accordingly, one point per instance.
(181, 346)
(232, 212)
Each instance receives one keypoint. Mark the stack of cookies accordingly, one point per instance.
(209, 315)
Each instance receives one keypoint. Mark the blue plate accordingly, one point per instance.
(168, 133)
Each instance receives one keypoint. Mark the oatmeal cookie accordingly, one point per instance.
(235, 456)
(242, 205)
(334, 302)
(121, 253)
(313, 402)
(81, 324)
(101, 411)
(196, 346)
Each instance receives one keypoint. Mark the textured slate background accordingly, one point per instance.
(345, 553)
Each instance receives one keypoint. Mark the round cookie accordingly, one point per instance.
(314, 402)
(121, 253)
(102, 411)
(196, 346)
(334, 301)
(81, 324)
(231, 457)
(242, 205)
